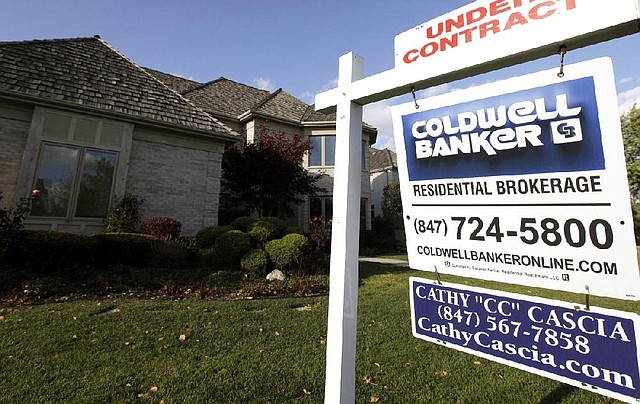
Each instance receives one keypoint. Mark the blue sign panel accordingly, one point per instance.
(595, 348)
(549, 129)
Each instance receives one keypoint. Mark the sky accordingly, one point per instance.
(288, 44)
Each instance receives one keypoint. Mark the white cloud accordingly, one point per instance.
(378, 114)
(264, 84)
(626, 80)
(627, 98)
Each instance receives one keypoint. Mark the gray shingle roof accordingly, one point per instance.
(88, 73)
(176, 83)
(226, 97)
(382, 159)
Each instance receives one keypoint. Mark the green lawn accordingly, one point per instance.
(131, 350)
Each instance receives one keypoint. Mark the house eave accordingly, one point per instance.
(221, 136)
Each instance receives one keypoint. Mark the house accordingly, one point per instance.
(384, 171)
(83, 124)
(248, 110)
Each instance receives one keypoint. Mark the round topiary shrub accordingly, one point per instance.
(205, 238)
(279, 223)
(262, 231)
(255, 262)
(242, 223)
(288, 251)
(228, 249)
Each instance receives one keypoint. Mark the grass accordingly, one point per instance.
(130, 349)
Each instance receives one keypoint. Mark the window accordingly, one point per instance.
(320, 208)
(67, 174)
(76, 167)
(323, 151)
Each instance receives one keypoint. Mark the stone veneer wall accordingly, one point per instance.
(177, 177)
(15, 121)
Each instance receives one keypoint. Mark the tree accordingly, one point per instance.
(267, 175)
(630, 123)
(392, 204)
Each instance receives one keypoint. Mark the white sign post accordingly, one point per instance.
(343, 286)
(354, 91)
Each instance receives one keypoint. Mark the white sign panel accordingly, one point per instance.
(488, 30)
(521, 181)
(595, 349)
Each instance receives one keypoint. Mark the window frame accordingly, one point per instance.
(32, 157)
(323, 150)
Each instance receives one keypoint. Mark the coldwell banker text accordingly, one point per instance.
(549, 129)
(486, 130)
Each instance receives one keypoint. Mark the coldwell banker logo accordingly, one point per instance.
(546, 129)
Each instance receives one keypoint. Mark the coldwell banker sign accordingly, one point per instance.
(521, 181)
(594, 349)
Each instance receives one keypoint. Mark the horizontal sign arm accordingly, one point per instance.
(399, 81)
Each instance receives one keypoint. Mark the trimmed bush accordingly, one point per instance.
(279, 223)
(262, 231)
(227, 250)
(242, 223)
(47, 251)
(122, 249)
(255, 262)
(161, 227)
(288, 251)
(172, 253)
(205, 238)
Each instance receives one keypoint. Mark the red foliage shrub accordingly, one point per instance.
(161, 227)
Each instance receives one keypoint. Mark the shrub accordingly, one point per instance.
(262, 231)
(205, 238)
(161, 227)
(48, 251)
(294, 230)
(321, 233)
(279, 223)
(125, 215)
(172, 252)
(227, 250)
(11, 219)
(255, 262)
(242, 223)
(122, 249)
(288, 251)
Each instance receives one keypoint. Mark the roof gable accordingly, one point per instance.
(88, 73)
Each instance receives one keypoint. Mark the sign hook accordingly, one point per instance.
(415, 102)
(586, 297)
(562, 51)
(438, 276)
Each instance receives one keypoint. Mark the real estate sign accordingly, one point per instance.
(521, 181)
(594, 349)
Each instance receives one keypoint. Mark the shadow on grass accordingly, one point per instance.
(558, 394)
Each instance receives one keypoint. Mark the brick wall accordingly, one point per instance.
(15, 122)
(176, 177)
